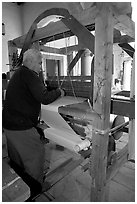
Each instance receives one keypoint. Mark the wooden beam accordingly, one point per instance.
(52, 57)
(84, 36)
(61, 171)
(131, 143)
(120, 39)
(49, 49)
(90, 27)
(86, 17)
(124, 24)
(74, 7)
(123, 39)
(123, 107)
(73, 78)
(127, 48)
(75, 60)
(101, 101)
(72, 48)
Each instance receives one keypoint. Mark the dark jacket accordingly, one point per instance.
(25, 93)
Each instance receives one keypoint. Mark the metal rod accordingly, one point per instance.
(115, 129)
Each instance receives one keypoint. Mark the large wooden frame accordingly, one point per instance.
(105, 17)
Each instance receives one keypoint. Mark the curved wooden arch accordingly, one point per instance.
(78, 29)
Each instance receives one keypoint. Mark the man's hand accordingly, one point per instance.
(62, 92)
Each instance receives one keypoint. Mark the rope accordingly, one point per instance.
(60, 84)
(66, 55)
(73, 91)
(57, 73)
(72, 87)
(52, 38)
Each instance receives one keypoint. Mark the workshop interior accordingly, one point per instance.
(88, 50)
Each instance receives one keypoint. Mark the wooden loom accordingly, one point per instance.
(105, 19)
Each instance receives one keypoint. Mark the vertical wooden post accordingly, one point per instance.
(131, 142)
(12, 52)
(101, 100)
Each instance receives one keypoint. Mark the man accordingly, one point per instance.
(24, 96)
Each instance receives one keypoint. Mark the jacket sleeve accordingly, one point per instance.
(40, 92)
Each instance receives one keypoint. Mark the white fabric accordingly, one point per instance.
(60, 132)
(49, 113)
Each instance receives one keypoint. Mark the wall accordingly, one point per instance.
(11, 17)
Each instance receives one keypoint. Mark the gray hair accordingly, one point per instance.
(31, 54)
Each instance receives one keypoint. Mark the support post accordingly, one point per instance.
(131, 142)
(13, 55)
(101, 101)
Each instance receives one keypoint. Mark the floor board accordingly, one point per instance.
(76, 186)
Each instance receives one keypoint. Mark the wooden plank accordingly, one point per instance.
(119, 193)
(123, 107)
(123, 39)
(69, 33)
(72, 78)
(62, 170)
(101, 101)
(127, 48)
(84, 36)
(14, 189)
(49, 49)
(126, 177)
(52, 57)
(118, 161)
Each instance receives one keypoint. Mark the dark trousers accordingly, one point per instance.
(26, 153)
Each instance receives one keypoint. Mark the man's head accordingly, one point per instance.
(32, 59)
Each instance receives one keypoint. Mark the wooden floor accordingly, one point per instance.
(76, 186)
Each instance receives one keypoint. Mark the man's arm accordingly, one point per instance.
(40, 92)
